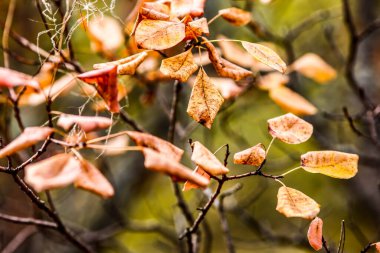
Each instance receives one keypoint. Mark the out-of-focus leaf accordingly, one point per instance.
(251, 156)
(272, 81)
(117, 144)
(180, 66)
(86, 123)
(198, 170)
(377, 246)
(126, 66)
(234, 53)
(227, 87)
(182, 8)
(11, 78)
(314, 234)
(207, 160)
(236, 16)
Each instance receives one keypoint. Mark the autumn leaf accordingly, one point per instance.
(290, 129)
(227, 87)
(153, 14)
(198, 7)
(236, 16)
(291, 101)
(45, 76)
(377, 246)
(331, 163)
(55, 172)
(234, 53)
(272, 81)
(265, 55)
(29, 137)
(180, 66)
(117, 144)
(207, 160)
(251, 156)
(11, 78)
(293, 203)
(198, 170)
(314, 233)
(205, 100)
(158, 34)
(86, 123)
(182, 8)
(197, 28)
(314, 67)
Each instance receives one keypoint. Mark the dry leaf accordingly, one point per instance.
(198, 8)
(182, 8)
(153, 14)
(161, 7)
(227, 87)
(11, 78)
(236, 16)
(314, 234)
(314, 67)
(293, 203)
(52, 173)
(164, 147)
(161, 163)
(291, 101)
(106, 80)
(331, 163)
(265, 55)
(91, 179)
(290, 129)
(207, 160)
(197, 28)
(377, 246)
(271, 81)
(205, 100)
(251, 156)
(158, 34)
(198, 170)
(234, 53)
(86, 123)
(180, 66)
(29, 137)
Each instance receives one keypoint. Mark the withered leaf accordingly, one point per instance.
(86, 123)
(235, 53)
(314, 233)
(180, 66)
(290, 129)
(293, 203)
(271, 81)
(227, 87)
(251, 156)
(153, 14)
(11, 78)
(29, 137)
(236, 16)
(182, 8)
(205, 100)
(197, 28)
(198, 170)
(117, 145)
(331, 163)
(207, 160)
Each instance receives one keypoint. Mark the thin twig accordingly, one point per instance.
(342, 239)
(324, 245)
(28, 221)
(7, 28)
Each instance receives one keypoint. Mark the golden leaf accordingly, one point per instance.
(265, 55)
(236, 16)
(207, 160)
(205, 100)
(180, 66)
(331, 163)
(293, 203)
(251, 156)
(158, 34)
(291, 101)
(271, 81)
(189, 185)
(314, 233)
(290, 129)
(86, 123)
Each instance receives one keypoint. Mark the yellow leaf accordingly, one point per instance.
(293, 203)
(331, 163)
(179, 67)
(126, 66)
(265, 55)
(158, 34)
(291, 101)
(290, 129)
(236, 16)
(207, 160)
(314, 233)
(272, 80)
(205, 100)
(251, 156)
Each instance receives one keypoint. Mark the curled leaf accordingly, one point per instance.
(180, 66)
(293, 203)
(251, 156)
(126, 66)
(207, 160)
(86, 123)
(272, 81)
(11, 78)
(331, 163)
(236, 16)
(314, 234)
(290, 129)
(189, 185)
(29, 137)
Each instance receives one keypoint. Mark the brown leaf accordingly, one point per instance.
(251, 156)
(234, 53)
(198, 170)
(227, 87)
(293, 203)
(117, 144)
(272, 81)
(86, 123)
(91, 179)
(331, 163)
(236, 16)
(314, 67)
(290, 129)
(162, 7)
(11, 78)
(314, 234)
(29, 137)
(205, 100)
(180, 66)
(153, 14)
(197, 28)
(207, 160)
(291, 101)
(158, 34)
(265, 55)
(126, 66)
(106, 80)
(161, 163)
(55, 172)
(377, 246)
(198, 8)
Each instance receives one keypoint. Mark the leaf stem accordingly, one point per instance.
(290, 171)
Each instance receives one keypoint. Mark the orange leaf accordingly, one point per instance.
(11, 78)
(106, 80)
(197, 28)
(158, 34)
(290, 129)
(293, 203)
(86, 123)
(207, 160)
(377, 246)
(314, 234)
(271, 81)
(205, 100)
(291, 101)
(198, 170)
(234, 53)
(227, 87)
(251, 156)
(236, 16)
(29, 137)
(180, 66)
(153, 14)
(182, 8)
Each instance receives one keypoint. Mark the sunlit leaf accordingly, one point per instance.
(11, 78)
(293, 203)
(251, 156)
(198, 170)
(197, 28)
(290, 129)
(180, 66)
(207, 160)
(126, 66)
(86, 123)
(182, 8)
(272, 81)
(314, 234)
(236, 16)
(331, 163)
